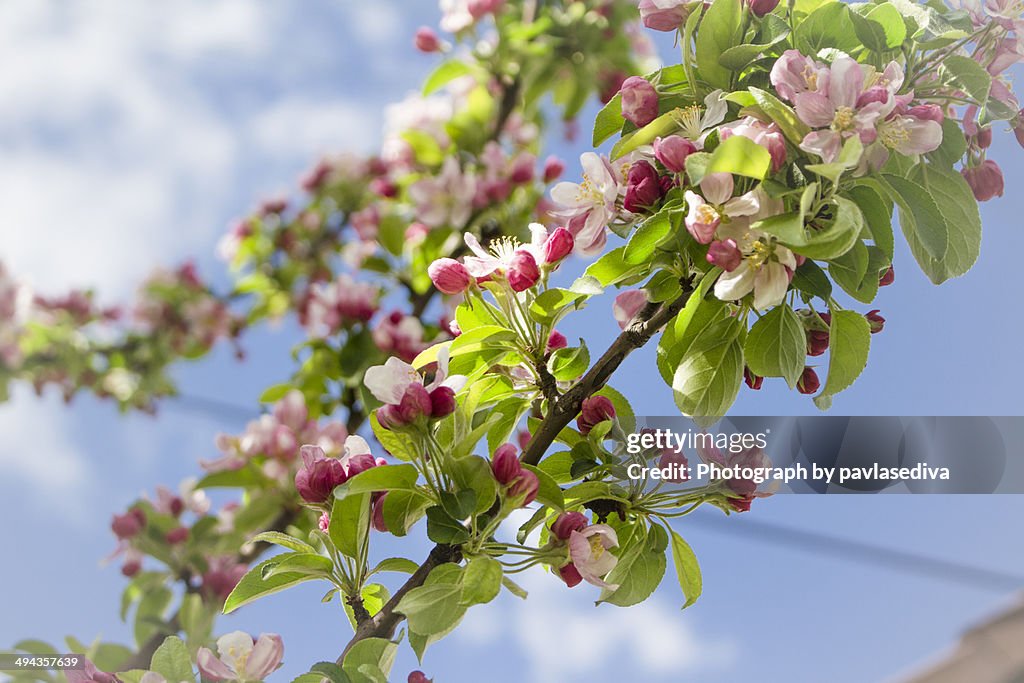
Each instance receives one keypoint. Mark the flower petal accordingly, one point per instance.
(737, 284)
(265, 657)
(388, 382)
(770, 285)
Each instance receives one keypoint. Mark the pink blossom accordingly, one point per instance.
(643, 188)
(568, 522)
(319, 476)
(768, 136)
(505, 464)
(400, 387)
(588, 551)
(449, 276)
(793, 73)
(627, 305)
(337, 304)
(639, 101)
(558, 245)
(553, 169)
(519, 263)
(672, 152)
(706, 213)
(241, 658)
(400, 335)
(590, 205)
(664, 15)
(725, 254)
(426, 40)
(89, 674)
(222, 575)
(444, 199)
(595, 410)
(129, 524)
(985, 180)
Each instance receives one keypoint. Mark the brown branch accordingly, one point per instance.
(651, 319)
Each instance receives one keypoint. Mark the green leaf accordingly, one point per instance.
(963, 73)
(659, 127)
(640, 569)
(697, 166)
(443, 528)
(700, 312)
(384, 478)
(930, 227)
(549, 493)
(826, 243)
(394, 443)
(829, 26)
(254, 586)
(444, 74)
(708, 378)
(776, 345)
(350, 523)
(652, 232)
(881, 28)
(568, 363)
(553, 303)
(719, 30)
(612, 268)
(402, 509)
(741, 156)
(849, 342)
(396, 564)
(309, 564)
(369, 654)
(424, 146)
(171, 660)
(473, 473)
(374, 597)
(782, 114)
(283, 540)
(433, 607)
(482, 338)
(877, 213)
(481, 581)
(609, 121)
(811, 279)
(275, 393)
(687, 568)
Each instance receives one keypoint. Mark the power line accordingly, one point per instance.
(865, 553)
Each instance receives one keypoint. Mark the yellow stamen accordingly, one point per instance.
(843, 119)
(596, 547)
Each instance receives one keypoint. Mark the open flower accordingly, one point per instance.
(89, 674)
(588, 553)
(241, 658)
(717, 206)
(519, 263)
(401, 388)
(695, 121)
(446, 199)
(588, 206)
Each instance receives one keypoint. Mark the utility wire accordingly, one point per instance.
(865, 553)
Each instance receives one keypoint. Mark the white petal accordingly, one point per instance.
(474, 245)
(388, 382)
(744, 205)
(735, 285)
(770, 286)
(356, 445)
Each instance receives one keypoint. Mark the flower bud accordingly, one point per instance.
(387, 417)
(523, 272)
(876, 321)
(596, 409)
(672, 152)
(426, 40)
(753, 381)
(663, 15)
(983, 140)
(526, 486)
(324, 523)
(985, 180)
(808, 382)
(558, 245)
(887, 277)
(419, 677)
(360, 463)
(567, 523)
(927, 112)
(316, 479)
(449, 276)
(556, 340)
(505, 464)
(817, 342)
(570, 575)
(725, 254)
(442, 402)
(130, 568)
(176, 535)
(415, 403)
(553, 169)
(643, 188)
(759, 8)
(670, 461)
(129, 524)
(377, 518)
(639, 101)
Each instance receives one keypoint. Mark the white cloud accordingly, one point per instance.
(37, 455)
(129, 129)
(565, 637)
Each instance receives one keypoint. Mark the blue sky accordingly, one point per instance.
(132, 135)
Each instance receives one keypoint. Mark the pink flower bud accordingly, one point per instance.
(596, 409)
(360, 463)
(570, 575)
(377, 518)
(317, 478)
(419, 677)
(876, 321)
(670, 461)
(985, 180)
(505, 464)
(887, 277)
(725, 254)
(817, 342)
(324, 522)
(556, 340)
(553, 169)
(672, 152)
(639, 101)
(558, 245)
(176, 535)
(927, 112)
(130, 568)
(526, 485)
(759, 8)
(983, 140)
(449, 276)
(523, 272)
(129, 524)
(387, 417)
(753, 381)
(415, 403)
(808, 382)
(567, 523)
(454, 329)
(627, 305)
(442, 402)
(663, 16)
(426, 40)
(643, 188)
